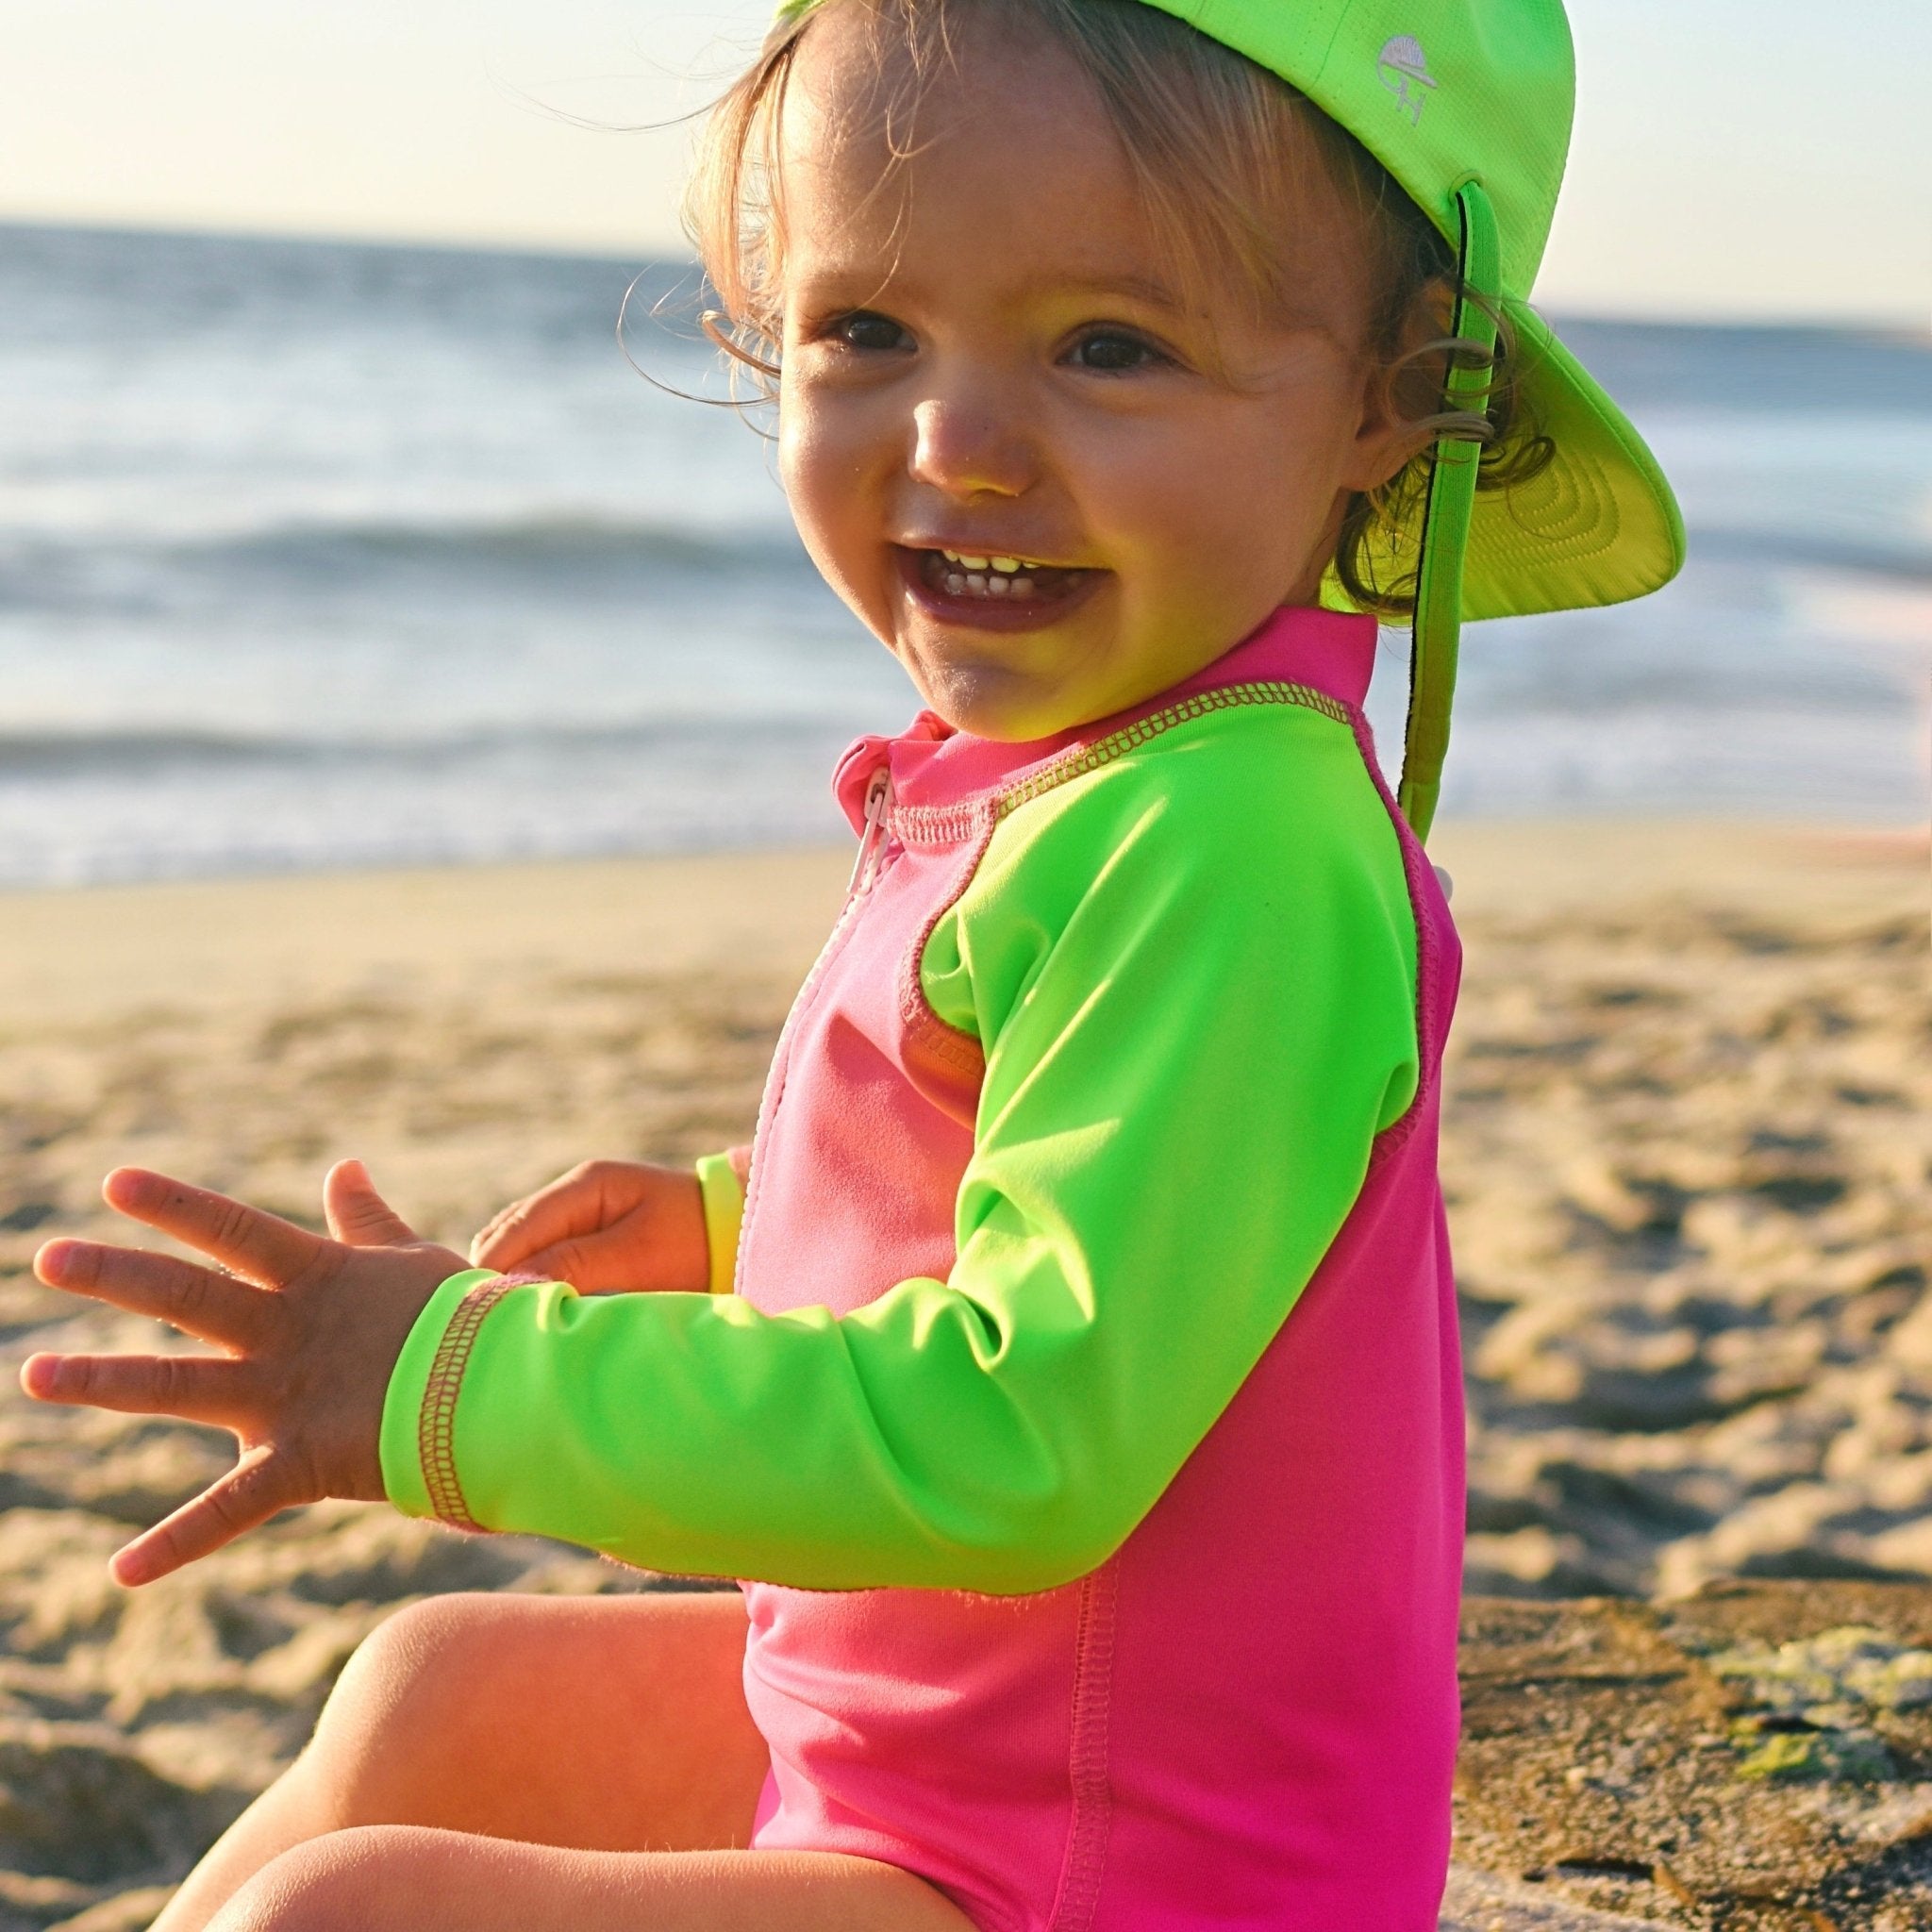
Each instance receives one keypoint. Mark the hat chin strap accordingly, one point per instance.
(1438, 626)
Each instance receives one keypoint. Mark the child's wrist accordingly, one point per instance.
(410, 1421)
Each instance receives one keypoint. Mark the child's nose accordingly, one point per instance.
(967, 447)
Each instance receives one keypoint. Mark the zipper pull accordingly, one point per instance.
(879, 800)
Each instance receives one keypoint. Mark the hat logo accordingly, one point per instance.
(1405, 72)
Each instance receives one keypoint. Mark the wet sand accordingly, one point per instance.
(1688, 1140)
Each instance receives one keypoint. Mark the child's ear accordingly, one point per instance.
(1402, 393)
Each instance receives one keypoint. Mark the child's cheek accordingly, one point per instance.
(831, 485)
(808, 468)
(798, 445)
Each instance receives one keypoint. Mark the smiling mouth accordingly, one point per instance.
(973, 588)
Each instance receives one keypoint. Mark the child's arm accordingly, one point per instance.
(1198, 1011)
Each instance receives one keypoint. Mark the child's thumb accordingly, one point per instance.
(358, 1216)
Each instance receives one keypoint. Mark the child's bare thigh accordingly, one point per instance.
(404, 1879)
(605, 1723)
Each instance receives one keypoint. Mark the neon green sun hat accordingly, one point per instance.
(1468, 104)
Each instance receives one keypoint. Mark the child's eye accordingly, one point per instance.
(864, 329)
(1111, 350)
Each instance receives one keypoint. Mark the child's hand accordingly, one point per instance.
(606, 1224)
(309, 1331)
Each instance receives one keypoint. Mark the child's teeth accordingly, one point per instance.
(1007, 566)
(986, 577)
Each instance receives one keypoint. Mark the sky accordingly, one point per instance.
(1733, 160)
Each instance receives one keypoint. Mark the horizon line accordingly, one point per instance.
(1888, 324)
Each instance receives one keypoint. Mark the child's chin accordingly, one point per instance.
(996, 702)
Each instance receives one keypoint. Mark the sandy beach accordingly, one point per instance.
(1687, 1155)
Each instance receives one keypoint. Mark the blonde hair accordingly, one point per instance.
(1222, 153)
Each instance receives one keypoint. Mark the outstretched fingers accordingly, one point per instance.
(263, 1248)
(198, 1301)
(260, 1486)
(196, 1387)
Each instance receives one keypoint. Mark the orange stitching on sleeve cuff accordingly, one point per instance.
(436, 1425)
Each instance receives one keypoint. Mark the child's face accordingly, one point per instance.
(986, 356)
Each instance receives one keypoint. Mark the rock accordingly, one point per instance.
(1698, 1763)
(1849, 1665)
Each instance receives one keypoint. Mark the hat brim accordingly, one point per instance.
(1599, 525)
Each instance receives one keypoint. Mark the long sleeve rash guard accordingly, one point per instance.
(1191, 964)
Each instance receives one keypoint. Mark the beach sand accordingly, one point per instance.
(1687, 1149)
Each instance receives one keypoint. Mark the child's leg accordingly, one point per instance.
(391, 1879)
(598, 1724)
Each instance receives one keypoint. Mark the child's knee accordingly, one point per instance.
(359, 1878)
(403, 1699)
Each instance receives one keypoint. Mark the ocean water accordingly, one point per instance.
(315, 555)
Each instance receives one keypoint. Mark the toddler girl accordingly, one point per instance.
(1081, 1389)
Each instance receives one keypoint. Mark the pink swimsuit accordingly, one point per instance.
(1246, 1717)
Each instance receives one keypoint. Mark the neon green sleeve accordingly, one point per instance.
(1192, 971)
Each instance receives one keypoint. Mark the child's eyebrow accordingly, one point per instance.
(1157, 294)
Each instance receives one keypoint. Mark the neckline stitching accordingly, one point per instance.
(967, 817)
